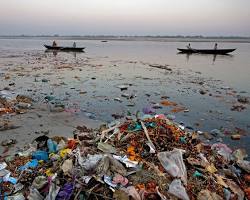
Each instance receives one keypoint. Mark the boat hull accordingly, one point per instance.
(207, 51)
(58, 48)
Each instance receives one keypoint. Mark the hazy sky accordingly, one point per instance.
(125, 17)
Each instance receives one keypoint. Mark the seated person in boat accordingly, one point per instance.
(215, 46)
(189, 46)
(54, 44)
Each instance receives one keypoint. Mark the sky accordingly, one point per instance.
(125, 17)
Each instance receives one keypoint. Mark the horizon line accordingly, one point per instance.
(115, 36)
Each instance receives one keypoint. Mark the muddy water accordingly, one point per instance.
(88, 84)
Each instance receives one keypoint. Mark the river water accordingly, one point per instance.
(88, 83)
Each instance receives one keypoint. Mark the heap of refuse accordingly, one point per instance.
(149, 158)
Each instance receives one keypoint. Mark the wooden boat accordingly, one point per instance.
(207, 51)
(58, 48)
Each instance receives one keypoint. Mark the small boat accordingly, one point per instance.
(58, 48)
(207, 51)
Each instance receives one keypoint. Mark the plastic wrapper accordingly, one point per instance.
(126, 161)
(172, 161)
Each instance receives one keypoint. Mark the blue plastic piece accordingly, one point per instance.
(40, 155)
(31, 164)
(52, 146)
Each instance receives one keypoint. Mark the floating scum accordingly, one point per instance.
(149, 158)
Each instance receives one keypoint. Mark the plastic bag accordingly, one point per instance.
(39, 182)
(131, 191)
(67, 166)
(244, 164)
(172, 161)
(90, 162)
(239, 154)
(177, 189)
(207, 195)
(40, 155)
(15, 197)
(61, 145)
(53, 189)
(65, 192)
(106, 148)
(34, 194)
(31, 164)
(148, 110)
(223, 150)
(235, 188)
(52, 146)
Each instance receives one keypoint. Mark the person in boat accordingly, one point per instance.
(215, 46)
(54, 44)
(74, 45)
(189, 46)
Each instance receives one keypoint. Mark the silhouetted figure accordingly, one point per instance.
(54, 44)
(215, 46)
(74, 45)
(189, 46)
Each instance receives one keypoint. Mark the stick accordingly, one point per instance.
(151, 145)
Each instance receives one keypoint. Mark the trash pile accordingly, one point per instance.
(149, 158)
(11, 103)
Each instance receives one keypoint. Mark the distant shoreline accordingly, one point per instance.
(138, 38)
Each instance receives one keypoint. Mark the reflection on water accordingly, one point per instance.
(55, 52)
(212, 56)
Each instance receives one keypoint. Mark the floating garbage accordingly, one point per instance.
(153, 158)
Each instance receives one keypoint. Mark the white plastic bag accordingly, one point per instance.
(177, 189)
(172, 161)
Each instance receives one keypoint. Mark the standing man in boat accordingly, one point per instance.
(215, 46)
(74, 44)
(54, 44)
